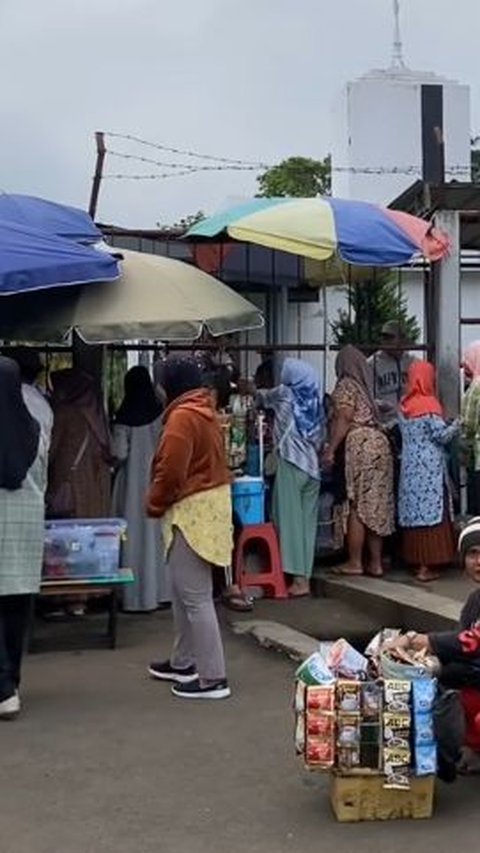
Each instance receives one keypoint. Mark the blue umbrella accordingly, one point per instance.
(57, 219)
(31, 259)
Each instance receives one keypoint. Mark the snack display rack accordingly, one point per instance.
(373, 734)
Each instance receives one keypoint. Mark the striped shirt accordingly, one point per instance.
(291, 446)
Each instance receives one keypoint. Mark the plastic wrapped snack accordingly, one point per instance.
(387, 635)
(300, 697)
(348, 730)
(319, 753)
(397, 768)
(397, 696)
(345, 661)
(348, 758)
(348, 696)
(314, 670)
(320, 698)
(426, 760)
(300, 734)
(396, 730)
(320, 724)
(371, 695)
(423, 729)
(424, 691)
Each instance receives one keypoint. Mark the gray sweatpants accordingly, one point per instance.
(197, 633)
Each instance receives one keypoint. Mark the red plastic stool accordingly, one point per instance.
(271, 577)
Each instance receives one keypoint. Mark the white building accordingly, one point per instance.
(385, 137)
(379, 128)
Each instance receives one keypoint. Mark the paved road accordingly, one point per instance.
(104, 761)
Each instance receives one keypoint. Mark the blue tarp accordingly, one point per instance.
(57, 219)
(31, 259)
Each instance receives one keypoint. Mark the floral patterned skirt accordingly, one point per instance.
(369, 479)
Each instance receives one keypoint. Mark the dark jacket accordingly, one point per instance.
(459, 651)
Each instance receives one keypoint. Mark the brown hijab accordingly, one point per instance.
(76, 389)
(352, 364)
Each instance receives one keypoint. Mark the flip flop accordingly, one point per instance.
(238, 603)
(340, 571)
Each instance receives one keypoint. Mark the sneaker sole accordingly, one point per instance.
(224, 693)
(171, 677)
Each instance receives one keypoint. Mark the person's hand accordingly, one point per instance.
(400, 644)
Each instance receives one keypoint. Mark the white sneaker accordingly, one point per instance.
(10, 708)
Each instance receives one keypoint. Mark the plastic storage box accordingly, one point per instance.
(83, 548)
(248, 499)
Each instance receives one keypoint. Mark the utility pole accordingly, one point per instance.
(97, 178)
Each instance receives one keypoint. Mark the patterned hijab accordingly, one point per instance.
(304, 384)
(352, 364)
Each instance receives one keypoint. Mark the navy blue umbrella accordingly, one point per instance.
(57, 219)
(32, 259)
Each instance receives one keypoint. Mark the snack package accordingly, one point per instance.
(300, 697)
(396, 730)
(300, 734)
(320, 698)
(371, 700)
(348, 758)
(321, 724)
(348, 696)
(426, 760)
(397, 696)
(387, 635)
(315, 671)
(348, 730)
(319, 753)
(397, 768)
(423, 729)
(424, 691)
(345, 661)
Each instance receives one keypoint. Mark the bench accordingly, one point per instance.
(84, 587)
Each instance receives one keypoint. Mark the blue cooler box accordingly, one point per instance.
(83, 548)
(248, 499)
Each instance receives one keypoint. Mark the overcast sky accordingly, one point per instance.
(247, 79)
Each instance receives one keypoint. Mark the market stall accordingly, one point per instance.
(368, 721)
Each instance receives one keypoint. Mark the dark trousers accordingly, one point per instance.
(473, 493)
(14, 618)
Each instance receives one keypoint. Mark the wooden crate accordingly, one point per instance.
(357, 798)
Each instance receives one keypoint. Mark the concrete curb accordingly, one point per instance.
(274, 635)
(396, 604)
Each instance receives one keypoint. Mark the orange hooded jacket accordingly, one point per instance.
(190, 457)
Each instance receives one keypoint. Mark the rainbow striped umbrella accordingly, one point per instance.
(359, 232)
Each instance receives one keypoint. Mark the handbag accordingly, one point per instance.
(62, 503)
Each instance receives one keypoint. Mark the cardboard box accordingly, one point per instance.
(363, 797)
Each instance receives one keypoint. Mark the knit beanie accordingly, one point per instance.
(469, 538)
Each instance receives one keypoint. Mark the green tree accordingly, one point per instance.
(300, 177)
(371, 304)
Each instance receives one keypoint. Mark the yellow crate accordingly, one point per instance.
(357, 798)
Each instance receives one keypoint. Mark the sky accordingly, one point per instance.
(254, 80)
